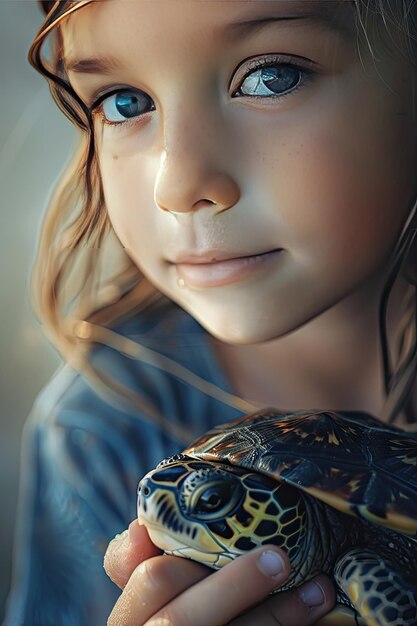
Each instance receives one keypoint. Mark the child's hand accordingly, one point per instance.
(163, 590)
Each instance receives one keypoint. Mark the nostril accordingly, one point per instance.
(145, 488)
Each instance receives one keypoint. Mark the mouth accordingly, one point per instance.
(215, 273)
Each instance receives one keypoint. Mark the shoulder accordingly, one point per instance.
(118, 356)
(75, 411)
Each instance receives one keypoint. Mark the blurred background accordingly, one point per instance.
(36, 142)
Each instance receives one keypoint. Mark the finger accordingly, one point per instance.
(227, 593)
(298, 607)
(126, 551)
(152, 585)
(214, 600)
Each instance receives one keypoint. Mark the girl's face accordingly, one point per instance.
(241, 138)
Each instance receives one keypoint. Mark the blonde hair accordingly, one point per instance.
(79, 302)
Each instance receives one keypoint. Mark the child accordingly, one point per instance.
(256, 161)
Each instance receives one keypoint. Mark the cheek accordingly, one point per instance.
(128, 201)
(356, 194)
(341, 189)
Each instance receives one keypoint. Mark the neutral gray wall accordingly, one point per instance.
(36, 141)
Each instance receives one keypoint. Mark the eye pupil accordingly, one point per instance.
(214, 498)
(281, 77)
(271, 80)
(127, 104)
(210, 494)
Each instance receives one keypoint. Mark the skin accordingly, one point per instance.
(204, 169)
(326, 173)
(166, 591)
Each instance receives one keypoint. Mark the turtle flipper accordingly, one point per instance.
(378, 592)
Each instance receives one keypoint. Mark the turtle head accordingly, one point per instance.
(209, 511)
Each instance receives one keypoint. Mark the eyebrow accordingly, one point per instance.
(328, 21)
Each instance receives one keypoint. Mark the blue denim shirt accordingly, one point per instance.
(82, 458)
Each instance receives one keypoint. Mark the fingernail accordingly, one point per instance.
(312, 594)
(271, 563)
(120, 536)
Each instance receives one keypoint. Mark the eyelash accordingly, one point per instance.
(256, 64)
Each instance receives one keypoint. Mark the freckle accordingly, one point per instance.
(115, 157)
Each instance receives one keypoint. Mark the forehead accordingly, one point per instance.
(99, 25)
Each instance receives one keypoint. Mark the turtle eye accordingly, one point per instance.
(215, 500)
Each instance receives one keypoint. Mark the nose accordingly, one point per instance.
(190, 175)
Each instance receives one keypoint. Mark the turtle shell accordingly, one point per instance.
(349, 460)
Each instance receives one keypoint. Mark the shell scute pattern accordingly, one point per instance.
(289, 480)
(352, 462)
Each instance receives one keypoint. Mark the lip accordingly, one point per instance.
(210, 256)
(201, 272)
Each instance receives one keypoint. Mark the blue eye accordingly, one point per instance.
(123, 105)
(270, 78)
(273, 80)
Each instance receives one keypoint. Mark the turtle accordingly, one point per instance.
(337, 490)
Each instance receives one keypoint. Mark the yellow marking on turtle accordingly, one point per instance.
(353, 589)
(341, 615)
(333, 439)
(365, 612)
(393, 520)
(339, 500)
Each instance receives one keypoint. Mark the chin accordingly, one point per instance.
(250, 321)
(241, 327)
